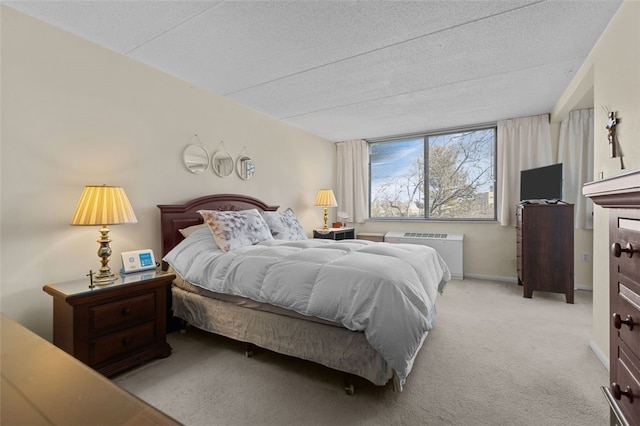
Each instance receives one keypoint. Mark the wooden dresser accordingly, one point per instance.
(545, 248)
(621, 195)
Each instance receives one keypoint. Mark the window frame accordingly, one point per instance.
(425, 141)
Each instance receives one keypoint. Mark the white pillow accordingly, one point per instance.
(234, 229)
(199, 243)
(190, 229)
(284, 226)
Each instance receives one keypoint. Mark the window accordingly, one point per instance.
(444, 176)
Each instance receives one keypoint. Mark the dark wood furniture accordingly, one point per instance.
(42, 384)
(335, 234)
(545, 248)
(178, 216)
(621, 195)
(338, 350)
(112, 327)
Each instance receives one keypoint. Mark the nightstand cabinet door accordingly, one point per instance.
(114, 327)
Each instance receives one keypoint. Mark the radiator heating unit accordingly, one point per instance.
(449, 246)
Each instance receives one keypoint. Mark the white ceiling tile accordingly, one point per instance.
(118, 25)
(347, 69)
(478, 102)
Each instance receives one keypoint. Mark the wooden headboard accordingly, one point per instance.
(178, 216)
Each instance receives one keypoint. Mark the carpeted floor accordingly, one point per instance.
(493, 358)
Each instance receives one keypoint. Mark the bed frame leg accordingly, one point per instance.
(349, 388)
(250, 351)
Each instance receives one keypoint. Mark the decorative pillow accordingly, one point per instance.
(190, 229)
(284, 226)
(234, 229)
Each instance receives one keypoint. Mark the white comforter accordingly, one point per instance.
(386, 290)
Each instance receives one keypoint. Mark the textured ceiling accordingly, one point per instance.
(355, 69)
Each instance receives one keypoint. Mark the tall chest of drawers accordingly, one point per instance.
(621, 195)
(544, 243)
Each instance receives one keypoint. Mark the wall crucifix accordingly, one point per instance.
(611, 127)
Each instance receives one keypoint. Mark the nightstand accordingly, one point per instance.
(335, 234)
(116, 326)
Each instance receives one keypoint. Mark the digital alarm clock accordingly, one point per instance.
(139, 260)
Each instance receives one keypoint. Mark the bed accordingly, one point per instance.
(345, 341)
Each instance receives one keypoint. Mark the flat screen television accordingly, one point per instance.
(542, 183)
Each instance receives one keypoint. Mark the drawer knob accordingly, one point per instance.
(125, 311)
(617, 393)
(617, 250)
(126, 342)
(618, 321)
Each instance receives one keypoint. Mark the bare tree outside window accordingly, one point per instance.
(457, 182)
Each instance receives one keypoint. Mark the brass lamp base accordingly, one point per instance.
(104, 276)
(99, 279)
(326, 217)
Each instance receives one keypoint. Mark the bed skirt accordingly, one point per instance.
(329, 345)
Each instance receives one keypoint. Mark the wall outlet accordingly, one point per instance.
(585, 257)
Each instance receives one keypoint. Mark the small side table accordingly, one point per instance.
(115, 326)
(335, 234)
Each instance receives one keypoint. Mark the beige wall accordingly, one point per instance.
(612, 71)
(489, 248)
(74, 113)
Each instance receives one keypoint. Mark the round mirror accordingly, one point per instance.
(245, 167)
(222, 163)
(196, 159)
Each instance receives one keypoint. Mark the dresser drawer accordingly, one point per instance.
(626, 318)
(122, 312)
(626, 380)
(628, 233)
(122, 342)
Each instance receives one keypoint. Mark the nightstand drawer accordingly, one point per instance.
(123, 312)
(122, 342)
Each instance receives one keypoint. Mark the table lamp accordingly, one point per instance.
(103, 205)
(325, 198)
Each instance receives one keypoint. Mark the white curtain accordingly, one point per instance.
(352, 192)
(523, 143)
(575, 152)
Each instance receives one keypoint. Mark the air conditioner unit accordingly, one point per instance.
(449, 246)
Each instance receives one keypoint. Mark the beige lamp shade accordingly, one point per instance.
(325, 198)
(103, 205)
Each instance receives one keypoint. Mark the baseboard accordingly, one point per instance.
(599, 354)
(492, 278)
(515, 280)
(583, 287)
